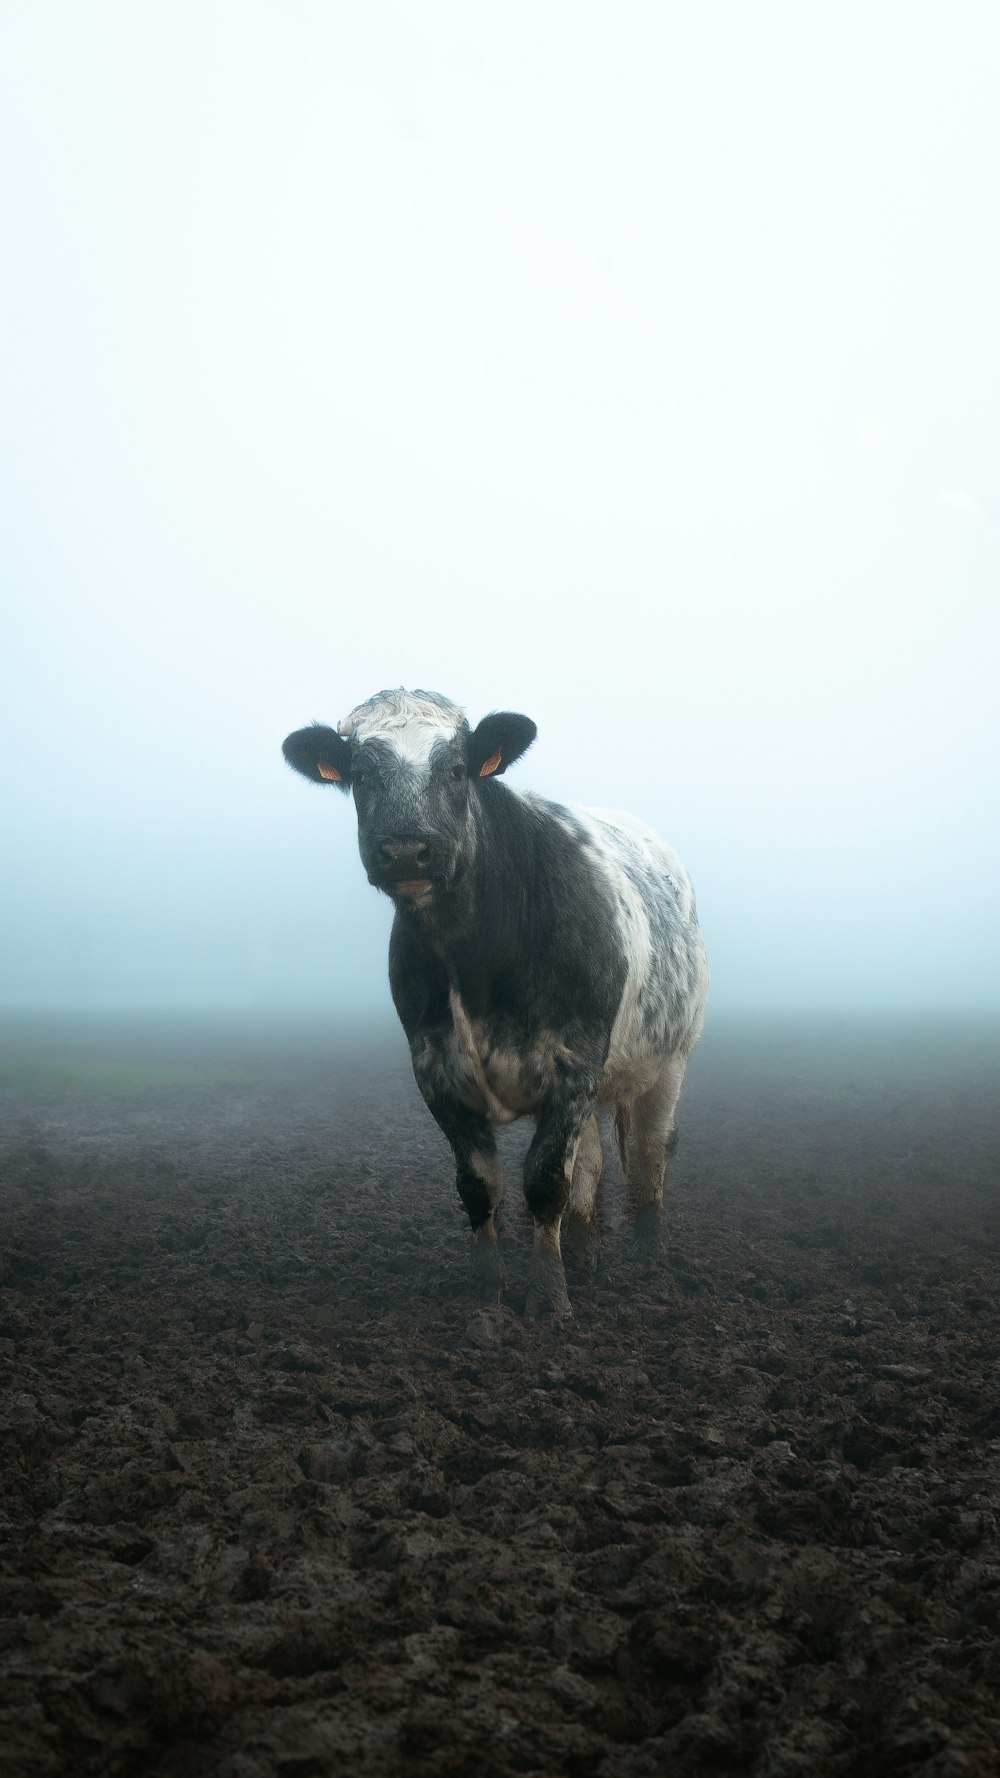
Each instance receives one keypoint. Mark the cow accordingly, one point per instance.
(545, 960)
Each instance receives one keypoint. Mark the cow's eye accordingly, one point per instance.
(357, 778)
(458, 772)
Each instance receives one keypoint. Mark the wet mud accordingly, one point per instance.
(277, 1500)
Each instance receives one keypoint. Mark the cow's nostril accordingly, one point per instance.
(413, 854)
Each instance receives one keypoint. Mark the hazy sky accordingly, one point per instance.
(635, 367)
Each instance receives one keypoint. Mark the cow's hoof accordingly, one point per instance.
(484, 1328)
(488, 1274)
(649, 1239)
(581, 1242)
(548, 1299)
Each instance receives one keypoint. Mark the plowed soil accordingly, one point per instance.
(276, 1500)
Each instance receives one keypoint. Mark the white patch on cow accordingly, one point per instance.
(545, 1240)
(466, 1066)
(486, 1169)
(587, 1169)
(412, 722)
(666, 972)
(659, 855)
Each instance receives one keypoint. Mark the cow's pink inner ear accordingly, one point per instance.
(490, 766)
(326, 771)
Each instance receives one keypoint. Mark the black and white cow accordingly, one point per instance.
(544, 961)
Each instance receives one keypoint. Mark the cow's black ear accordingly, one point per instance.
(319, 753)
(499, 739)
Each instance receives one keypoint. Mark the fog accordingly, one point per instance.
(638, 372)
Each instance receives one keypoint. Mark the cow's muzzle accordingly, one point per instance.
(413, 856)
(407, 866)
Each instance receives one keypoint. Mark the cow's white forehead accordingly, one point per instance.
(411, 721)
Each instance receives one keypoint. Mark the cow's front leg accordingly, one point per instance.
(479, 1181)
(477, 1166)
(548, 1175)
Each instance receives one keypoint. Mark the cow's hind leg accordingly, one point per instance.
(649, 1131)
(580, 1238)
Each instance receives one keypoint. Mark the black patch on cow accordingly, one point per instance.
(526, 934)
(502, 732)
(525, 937)
(308, 748)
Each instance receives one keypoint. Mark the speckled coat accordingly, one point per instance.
(545, 960)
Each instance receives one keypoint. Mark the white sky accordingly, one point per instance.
(633, 367)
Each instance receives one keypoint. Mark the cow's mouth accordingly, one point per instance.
(412, 886)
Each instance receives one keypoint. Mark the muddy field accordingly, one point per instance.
(276, 1501)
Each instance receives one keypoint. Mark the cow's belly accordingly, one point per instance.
(502, 1083)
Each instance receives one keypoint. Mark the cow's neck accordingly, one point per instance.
(490, 916)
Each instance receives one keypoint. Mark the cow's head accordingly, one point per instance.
(415, 768)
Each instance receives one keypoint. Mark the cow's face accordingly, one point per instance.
(414, 766)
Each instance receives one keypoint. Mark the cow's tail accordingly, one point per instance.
(623, 1118)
